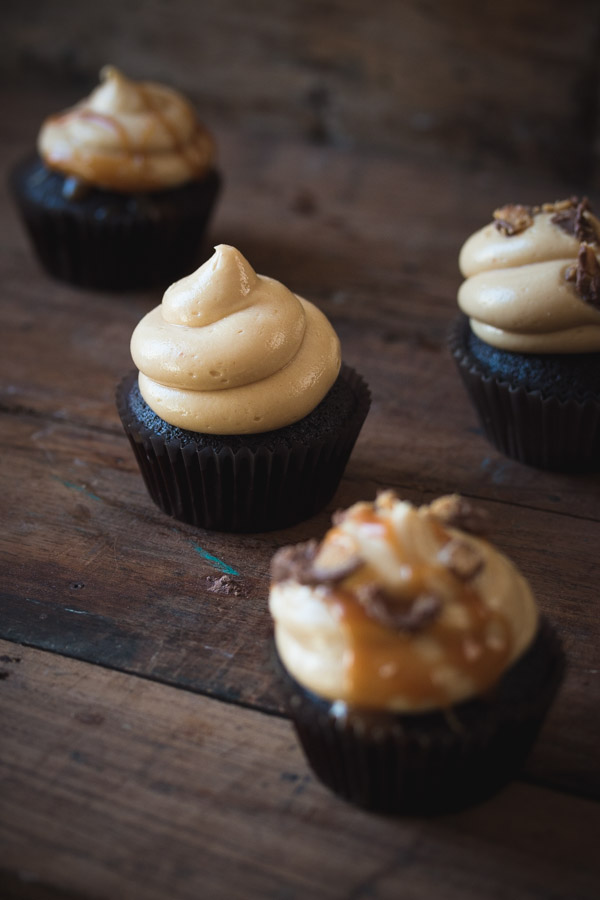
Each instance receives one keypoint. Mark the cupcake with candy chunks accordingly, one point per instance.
(527, 342)
(415, 664)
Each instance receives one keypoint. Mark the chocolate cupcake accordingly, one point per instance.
(527, 344)
(416, 668)
(242, 417)
(122, 187)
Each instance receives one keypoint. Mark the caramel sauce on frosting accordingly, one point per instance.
(345, 649)
(232, 352)
(128, 136)
(517, 293)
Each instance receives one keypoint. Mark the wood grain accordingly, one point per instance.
(143, 749)
(383, 269)
(132, 789)
(95, 571)
(515, 82)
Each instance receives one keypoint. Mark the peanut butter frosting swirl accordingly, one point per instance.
(128, 136)
(400, 608)
(519, 292)
(232, 352)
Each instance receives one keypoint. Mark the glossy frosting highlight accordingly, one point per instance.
(332, 644)
(128, 136)
(232, 352)
(516, 293)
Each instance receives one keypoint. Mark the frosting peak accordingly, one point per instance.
(116, 93)
(220, 287)
(232, 352)
(128, 136)
(519, 292)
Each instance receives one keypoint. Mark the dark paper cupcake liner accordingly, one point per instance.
(429, 763)
(549, 432)
(113, 241)
(225, 485)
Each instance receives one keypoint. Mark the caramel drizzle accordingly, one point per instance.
(90, 115)
(185, 150)
(104, 166)
(386, 663)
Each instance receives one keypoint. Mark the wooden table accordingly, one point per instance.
(143, 750)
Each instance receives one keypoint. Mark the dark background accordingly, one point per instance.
(512, 82)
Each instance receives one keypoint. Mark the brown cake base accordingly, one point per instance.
(255, 482)
(544, 412)
(108, 240)
(429, 763)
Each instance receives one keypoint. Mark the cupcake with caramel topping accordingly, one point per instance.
(416, 665)
(527, 344)
(242, 416)
(122, 187)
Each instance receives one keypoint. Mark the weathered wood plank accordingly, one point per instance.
(93, 570)
(114, 787)
(329, 224)
(76, 509)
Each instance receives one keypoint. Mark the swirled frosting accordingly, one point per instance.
(128, 136)
(519, 292)
(232, 352)
(399, 607)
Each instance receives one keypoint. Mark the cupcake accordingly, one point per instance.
(527, 342)
(121, 188)
(416, 667)
(242, 416)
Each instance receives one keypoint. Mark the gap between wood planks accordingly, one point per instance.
(255, 707)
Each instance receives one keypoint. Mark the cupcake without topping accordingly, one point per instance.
(242, 416)
(416, 667)
(527, 344)
(122, 186)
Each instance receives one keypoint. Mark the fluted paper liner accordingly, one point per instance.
(543, 431)
(114, 241)
(253, 488)
(428, 763)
